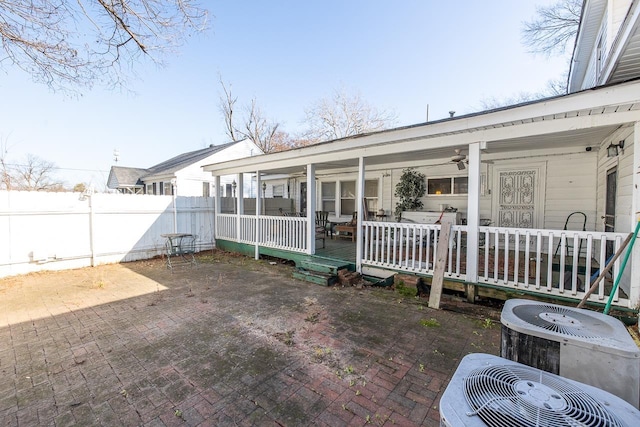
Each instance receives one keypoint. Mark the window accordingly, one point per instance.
(149, 189)
(347, 197)
(451, 185)
(168, 188)
(227, 189)
(371, 196)
(206, 189)
(278, 191)
(328, 191)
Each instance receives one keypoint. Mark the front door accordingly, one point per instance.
(610, 206)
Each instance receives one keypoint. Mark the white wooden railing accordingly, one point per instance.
(557, 263)
(552, 262)
(287, 233)
(411, 247)
(283, 232)
(549, 262)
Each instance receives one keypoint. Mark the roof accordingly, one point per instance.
(121, 176)
(620, 61)
(572, 120)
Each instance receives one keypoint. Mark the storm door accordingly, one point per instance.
(517, 198)
(610, 206)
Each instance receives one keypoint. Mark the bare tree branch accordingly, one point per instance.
(34, 174)
(227, 108)
(553, 28)
(69, 45)
(344, 115)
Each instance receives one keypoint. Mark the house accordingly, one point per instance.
(182, 175)
(606, 44)
(542, 195)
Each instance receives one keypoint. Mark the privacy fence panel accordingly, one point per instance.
(57, 231)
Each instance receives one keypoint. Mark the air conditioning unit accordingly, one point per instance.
(582, 345)
(487, 390)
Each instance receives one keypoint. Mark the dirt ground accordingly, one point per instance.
(232, 341)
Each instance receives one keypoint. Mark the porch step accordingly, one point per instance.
(320, 265)
(378, 276)
(323, 279)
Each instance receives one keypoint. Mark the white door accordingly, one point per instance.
(518, 197)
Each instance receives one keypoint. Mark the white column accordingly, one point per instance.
(634, 291)
(258, 210)
(239, 204)
(311, 208)
(360, 207)
(217, 207)
(473, 210)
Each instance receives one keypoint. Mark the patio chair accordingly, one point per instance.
(322, 221)
(321, 226)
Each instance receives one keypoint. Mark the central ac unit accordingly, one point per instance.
(579, 344)
(488, 390)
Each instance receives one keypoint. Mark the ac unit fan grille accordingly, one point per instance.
(562, 320)
(510, 395)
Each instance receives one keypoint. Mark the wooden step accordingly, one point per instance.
(315, 277)
(323, 265)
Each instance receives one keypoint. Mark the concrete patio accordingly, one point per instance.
(231, 342)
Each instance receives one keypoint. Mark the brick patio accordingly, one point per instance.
(232, 342)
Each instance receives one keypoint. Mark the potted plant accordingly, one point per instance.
(409, 190)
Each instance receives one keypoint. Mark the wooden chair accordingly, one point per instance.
(322, 219)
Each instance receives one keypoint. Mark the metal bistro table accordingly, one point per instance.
(179, 245)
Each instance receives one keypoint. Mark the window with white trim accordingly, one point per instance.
(278, 191)
(447, 186)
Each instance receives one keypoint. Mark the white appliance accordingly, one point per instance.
(426, 217)
(487, 390)
(579, 344)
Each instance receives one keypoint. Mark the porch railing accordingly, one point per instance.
(550, 262)
(555, 263)
(412, 247)
(288, 233)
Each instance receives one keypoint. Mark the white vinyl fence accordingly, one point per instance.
(58, 231)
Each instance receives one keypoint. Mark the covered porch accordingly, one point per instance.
(526, 168)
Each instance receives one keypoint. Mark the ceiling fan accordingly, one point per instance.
(459, 159)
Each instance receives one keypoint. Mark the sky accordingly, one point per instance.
(405, 56)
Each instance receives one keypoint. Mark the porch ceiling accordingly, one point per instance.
(578, 139)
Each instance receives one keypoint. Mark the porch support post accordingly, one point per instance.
(634, 288)
(216, 205)
(311, 209)
(473, 211)
(240, 205)
(360, 207)
(258, 210)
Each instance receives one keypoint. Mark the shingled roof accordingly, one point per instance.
(122, 177)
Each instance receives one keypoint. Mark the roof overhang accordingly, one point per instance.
(573, 120)
(588, 30)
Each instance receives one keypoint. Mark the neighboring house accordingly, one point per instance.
(182, 174)
(607, 44)
(515, 175)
